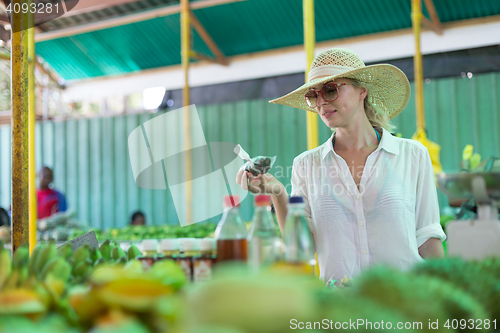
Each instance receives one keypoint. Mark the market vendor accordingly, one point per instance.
(370, 197)
(49, 201)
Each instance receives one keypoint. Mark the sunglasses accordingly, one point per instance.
(329, 92)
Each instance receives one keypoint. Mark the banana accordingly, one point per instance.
(45, 255)
(60, 269)
(118, 253)
(81, 255)
(20, 257)
(12, 280)
(33, 258)
(105, 250)
(48, 267)
(82, 271)
(99, 262)
(121, 260)
(95, 255)
(133, 252)
(5, 264)
(65, 251)
(23, 276)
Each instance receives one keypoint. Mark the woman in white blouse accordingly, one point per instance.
(370, 197)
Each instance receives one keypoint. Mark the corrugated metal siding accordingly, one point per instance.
(237, 28)
(92, 167)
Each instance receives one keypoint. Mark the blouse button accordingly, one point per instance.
(364, 251)
(361, 224)
(357, 197)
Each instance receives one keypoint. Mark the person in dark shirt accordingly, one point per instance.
(49, 200)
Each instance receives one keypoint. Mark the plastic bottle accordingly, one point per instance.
(264, 242)
(203, 264)
(169, 248)
(299, 245)
(231, 232)
(150, 252)
(189, 249)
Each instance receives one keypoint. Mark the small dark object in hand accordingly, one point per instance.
(259, 165)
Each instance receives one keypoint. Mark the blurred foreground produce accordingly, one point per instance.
(108, 290)
(137, 233)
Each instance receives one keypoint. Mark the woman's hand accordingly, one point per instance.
(262, 184)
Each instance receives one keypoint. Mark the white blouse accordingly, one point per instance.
(394, 211)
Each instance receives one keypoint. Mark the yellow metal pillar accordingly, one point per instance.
(31, 135)
(416, 16)
(310, 43)
(185, 51)
(19, 84)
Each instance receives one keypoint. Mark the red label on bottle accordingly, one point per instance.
(202, 270)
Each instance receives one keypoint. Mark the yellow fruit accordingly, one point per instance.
(260, 304)
(138, 294)
(20, 302)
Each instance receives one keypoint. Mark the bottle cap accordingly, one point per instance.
(189, 244)
(169, 244)
(150, 245)
(231, 201)
(208, 244)
(262, 200)
(296, 200)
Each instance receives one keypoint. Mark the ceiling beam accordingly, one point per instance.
(434, 24)
(128, 19)
(205, 36)
(86, 6)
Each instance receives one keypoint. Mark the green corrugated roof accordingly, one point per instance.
(237, 28)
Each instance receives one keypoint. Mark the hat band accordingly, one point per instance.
(328, 70)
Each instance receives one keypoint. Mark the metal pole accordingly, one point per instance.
(19, 84)
(185, 50)
(416, 15)
(31, 135)
(309, 44)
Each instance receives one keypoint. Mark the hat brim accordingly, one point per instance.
(389, 88)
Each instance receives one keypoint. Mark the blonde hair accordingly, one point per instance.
(375, 115)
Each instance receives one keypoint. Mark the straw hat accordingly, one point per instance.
(390, 89)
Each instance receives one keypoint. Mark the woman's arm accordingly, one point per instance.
(432, 248)
(280, 202)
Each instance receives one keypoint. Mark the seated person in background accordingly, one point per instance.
(4, 218)
(138, 218)
(49, 201)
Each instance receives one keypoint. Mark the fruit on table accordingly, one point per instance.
(254, 303)
(420, 298)
(20, 301)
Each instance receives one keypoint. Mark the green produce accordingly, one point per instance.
(479, 279)
(64, 251)
(105, 249)
(133, 252)
(5, 264)
(117, 253)
(47, 252)
(419, 298)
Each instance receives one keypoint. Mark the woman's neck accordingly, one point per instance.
(356, 137)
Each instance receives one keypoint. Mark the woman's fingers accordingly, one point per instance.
(244, 181)
(239, 176)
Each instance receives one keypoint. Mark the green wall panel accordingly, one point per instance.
(83, 151)
(92, 166)
(5, 167)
